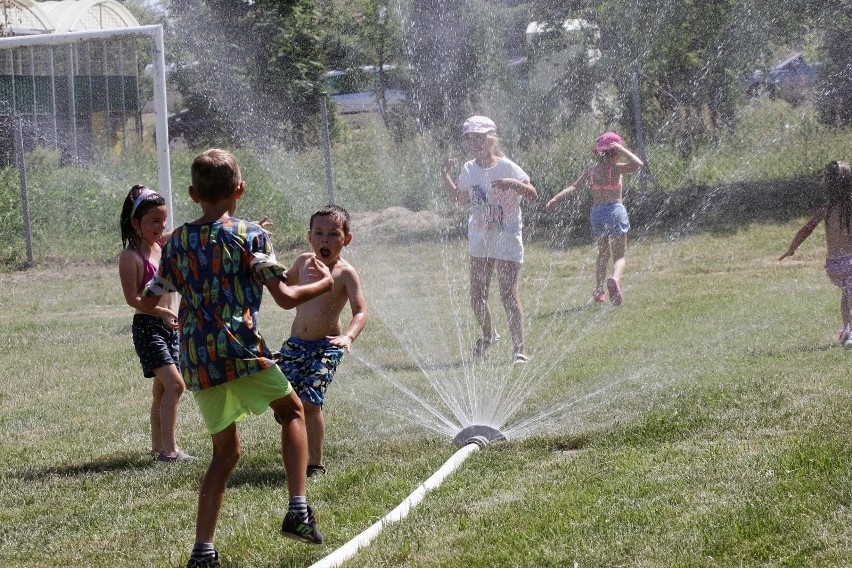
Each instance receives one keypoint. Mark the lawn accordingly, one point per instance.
(703, 423)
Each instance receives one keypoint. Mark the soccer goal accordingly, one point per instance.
(82, 96)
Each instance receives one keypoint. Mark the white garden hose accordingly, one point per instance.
(349, 549)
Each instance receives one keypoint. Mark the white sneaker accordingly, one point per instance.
(482, 345)
(520, 358)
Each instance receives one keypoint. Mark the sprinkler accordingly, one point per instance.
(478, 434)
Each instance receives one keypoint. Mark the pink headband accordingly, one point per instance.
(145, 194)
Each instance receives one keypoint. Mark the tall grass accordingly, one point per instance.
(75, 209)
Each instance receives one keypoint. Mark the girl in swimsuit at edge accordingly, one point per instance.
(837, 214)
(155, 337)
(608, 216)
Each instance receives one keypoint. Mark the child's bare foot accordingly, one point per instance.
(615, 296)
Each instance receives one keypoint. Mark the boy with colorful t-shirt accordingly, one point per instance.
(219, 264)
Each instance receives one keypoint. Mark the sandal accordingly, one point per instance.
(598, 296)
(520, 358)
(314, 470)
(615, 296)
(482, 345)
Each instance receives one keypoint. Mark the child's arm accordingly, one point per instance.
(634, 164)
(456, 195)
(128, 272)
(288, 297)
(805, 232)
(581, 181)
(358, 305)
(523, 188)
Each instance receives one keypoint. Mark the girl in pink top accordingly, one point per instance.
(608, 217)
(155, 337)
(837, 214)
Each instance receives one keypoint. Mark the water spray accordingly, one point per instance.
(472, 439)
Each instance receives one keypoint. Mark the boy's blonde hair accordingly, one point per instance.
(215, 175)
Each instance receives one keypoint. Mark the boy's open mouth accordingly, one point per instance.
(325, 251)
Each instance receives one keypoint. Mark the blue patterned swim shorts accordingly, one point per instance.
(310, 367)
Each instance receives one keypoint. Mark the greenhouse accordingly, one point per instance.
(80, 98)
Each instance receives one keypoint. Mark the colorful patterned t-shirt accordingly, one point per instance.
(219, 270)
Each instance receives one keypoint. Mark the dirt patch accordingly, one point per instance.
(401, 223)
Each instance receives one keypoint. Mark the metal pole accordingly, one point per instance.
(161, 113)
(70, 58)
(22, 172)
(53, 97)
(326, 151)
(640, 141)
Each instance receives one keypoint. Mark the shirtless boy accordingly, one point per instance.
(309, 358)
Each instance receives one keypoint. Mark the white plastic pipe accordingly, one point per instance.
(349, 549)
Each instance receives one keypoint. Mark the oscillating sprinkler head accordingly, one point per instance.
(478, 434)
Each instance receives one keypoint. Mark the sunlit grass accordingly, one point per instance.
(723, 439)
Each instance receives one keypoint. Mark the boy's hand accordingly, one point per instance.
(342, 341)
(315, 270)
(264, 223)
(447, 164)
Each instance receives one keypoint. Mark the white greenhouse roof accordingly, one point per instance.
(23, 17)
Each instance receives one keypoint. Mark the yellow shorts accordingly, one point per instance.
(225, 404)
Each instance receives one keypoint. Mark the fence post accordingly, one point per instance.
(18, 131)
(640, 142)
(326, 151)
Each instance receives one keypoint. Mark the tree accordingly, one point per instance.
(835, 100)
(453, 52)
(249, 71)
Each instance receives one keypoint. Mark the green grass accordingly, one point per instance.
(722, 440)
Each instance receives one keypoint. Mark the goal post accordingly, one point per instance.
(155, 33)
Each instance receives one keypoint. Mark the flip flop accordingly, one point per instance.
(614, 289)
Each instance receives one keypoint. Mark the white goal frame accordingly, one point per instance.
(155, 32)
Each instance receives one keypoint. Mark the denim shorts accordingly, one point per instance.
(609, 219)
(156, 344)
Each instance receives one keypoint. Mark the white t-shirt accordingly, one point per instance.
(494, 228)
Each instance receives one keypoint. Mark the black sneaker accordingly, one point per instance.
(293, 527)
(211, 562)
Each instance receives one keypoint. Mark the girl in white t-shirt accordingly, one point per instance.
(494, 185)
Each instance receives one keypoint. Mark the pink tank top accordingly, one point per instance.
(148, 271)
(609, 183)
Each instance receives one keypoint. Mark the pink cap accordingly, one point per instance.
(478, 125)
(606, 140)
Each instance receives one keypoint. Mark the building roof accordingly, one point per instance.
(25, 17)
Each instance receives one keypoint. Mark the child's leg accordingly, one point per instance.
(602, 262)
(845, 307)
(172, 387)
(508, 276)
(315, 428)
(156, 430)
(619, 249)
(294, 441)
(226, 454)
(480, 281)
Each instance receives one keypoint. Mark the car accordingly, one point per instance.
(356, 90)
(792, 79)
